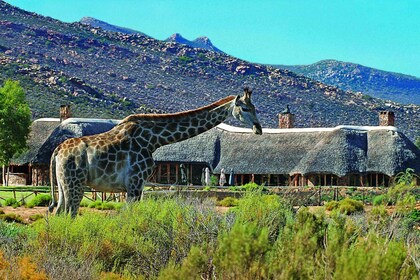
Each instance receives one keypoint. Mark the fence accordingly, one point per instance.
(298, 195)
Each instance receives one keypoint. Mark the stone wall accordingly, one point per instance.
(17, 179)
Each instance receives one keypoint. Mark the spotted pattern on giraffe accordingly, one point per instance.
(120, 160)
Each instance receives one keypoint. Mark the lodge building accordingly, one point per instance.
(286, 156)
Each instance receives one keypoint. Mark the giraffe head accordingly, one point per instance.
(244, 111)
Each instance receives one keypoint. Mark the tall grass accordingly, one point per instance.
(263, 237)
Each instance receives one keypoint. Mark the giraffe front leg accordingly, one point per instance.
(135, 189)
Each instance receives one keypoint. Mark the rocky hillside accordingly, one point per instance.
(108, 74)
(106, 26)
(200, 42)
(350, 76)
(344, 75)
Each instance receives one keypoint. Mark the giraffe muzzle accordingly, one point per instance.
(256, 128)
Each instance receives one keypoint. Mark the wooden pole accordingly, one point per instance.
(190, 176)
(176, 172)
(29, 180)
(7, 176)
(3, 175)
(159, 174)
(168, 168)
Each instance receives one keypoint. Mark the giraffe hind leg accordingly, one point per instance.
(73, 199)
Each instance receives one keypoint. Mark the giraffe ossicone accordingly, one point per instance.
(120, 160)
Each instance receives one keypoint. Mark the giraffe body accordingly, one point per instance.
(120, 160)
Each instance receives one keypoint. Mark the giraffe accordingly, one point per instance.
(120, 160)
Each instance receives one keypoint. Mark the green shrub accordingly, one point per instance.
(268, 211)
(11, 217)
(374, 257)
(84, 203)
(228, 202)
(39, 200)
(105, 205)
(11, 202)
(298, 248)
(379, 200)
(95, 204)
(349, 206)
(234, 260)
(346, 206)
(185, 59)
(177, 238)
(36, 217)
(331, 205)
(415, 215)
(197, 263)
(405, 204)
(150, 232)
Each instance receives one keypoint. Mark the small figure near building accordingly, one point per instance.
(222, 180)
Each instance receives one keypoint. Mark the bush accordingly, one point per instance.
(234, 260)
(228, 202)
(11, 202)
(36, 217)
(332, 205)
(268, 211)
(349, 206)
(251, 187)
(84, 203)
(346, 206)
(379, 200)
(175, 238)
(11, 217)
(105, 205)
(39, 200)
(95, 204)
(138, 240)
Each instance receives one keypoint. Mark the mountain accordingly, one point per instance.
(351, 76)
(104, 74)
(200, 42)
(106, 26)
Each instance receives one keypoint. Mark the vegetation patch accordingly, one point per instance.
(39, 200)
(263, 237)
(228, 202)
(103, 205)
(11, 217)
(346, 206)
(12, 202)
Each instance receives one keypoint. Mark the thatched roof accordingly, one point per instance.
(205, 148)
(340, 150)
(46, 134)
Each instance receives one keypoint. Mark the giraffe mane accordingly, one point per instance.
(137, 117)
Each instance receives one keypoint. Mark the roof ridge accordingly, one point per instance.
(236, 129)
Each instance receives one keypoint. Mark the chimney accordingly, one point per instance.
(286, 119)
(386, 118)
(65, 112)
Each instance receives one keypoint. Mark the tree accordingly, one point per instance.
(15, 120)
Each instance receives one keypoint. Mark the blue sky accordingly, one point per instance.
(381, 34)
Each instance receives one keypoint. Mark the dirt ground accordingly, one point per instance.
(26, 213)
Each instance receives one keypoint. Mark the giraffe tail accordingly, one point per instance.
(53, 180)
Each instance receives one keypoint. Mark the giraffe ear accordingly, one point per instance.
(247, 93)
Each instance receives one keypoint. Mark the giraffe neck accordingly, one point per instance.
(159, 130)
